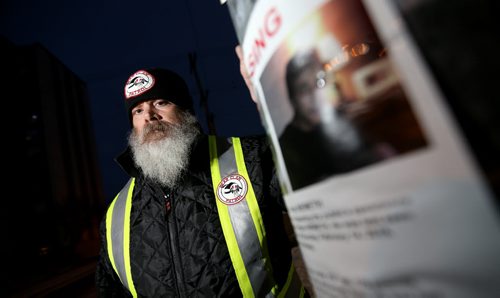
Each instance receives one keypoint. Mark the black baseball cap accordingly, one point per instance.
(156, 83)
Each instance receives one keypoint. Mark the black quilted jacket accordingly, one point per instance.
(182, 252)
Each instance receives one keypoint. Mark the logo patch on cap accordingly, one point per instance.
(138, 83)
(232, 189)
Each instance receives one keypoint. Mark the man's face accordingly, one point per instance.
(305, 102)
(153, 119)
(161, 140)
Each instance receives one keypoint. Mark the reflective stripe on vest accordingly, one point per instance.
(118, 235)
(242, 223)
(293, 286)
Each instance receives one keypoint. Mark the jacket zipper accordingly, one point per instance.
(174, 251)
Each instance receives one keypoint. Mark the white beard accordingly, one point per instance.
(164, 160)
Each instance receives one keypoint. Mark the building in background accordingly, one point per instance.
(53, 198)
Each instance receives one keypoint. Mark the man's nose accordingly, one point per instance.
(152, 115)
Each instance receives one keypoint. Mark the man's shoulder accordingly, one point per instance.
(252, 145)
(261, 138)
(259, 143)
(247, 141)
(290, 133)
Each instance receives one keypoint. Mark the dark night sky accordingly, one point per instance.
(103, 42)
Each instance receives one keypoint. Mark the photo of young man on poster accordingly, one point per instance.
(336, 101)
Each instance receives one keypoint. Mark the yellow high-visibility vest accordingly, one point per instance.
(240, 218)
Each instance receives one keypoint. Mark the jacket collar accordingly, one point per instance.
(126, 162)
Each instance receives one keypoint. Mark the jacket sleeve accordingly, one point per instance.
(275, 192)
(271, 175)
(107, 282)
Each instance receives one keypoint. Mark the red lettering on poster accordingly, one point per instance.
(272, 24)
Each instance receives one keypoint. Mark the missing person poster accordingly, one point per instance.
(382, 192)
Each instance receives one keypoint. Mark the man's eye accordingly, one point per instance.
(136, 111)
(161, 103)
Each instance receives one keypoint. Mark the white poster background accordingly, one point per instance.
(420, 225)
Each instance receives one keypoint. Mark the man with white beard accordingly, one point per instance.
(150, 140)
(201, 216)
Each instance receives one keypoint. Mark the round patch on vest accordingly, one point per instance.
(232, 189)
(138, 83)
